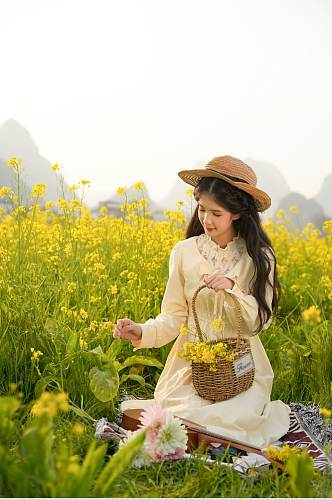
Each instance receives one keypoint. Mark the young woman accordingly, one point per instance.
(227, 249)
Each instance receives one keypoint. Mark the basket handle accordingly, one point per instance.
(198, 328)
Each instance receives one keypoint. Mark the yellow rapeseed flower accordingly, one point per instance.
(294, 209)
(4, 191)
(189, 192)
(73, 188)
(120, 191)
(312, 315)
(325, 413)
(114, 289)
(14, 163)
(84, 182)
(184, 330)
(55, 167)
(38, 189)
(217, 324)
(50, 403)
(83, 313)
(280, 213)
(71, 287)
(138, 186)
(78, 428)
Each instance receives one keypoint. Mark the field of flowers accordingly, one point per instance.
(65, 278)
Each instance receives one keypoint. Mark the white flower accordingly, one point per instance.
(171, 437)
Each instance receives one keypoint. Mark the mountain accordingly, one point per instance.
(324, 198)
(270, 180)
(308, 211)
(15, 140)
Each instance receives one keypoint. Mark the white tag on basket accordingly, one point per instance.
(243, 365)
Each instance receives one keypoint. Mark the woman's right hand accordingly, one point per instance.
(126, 329)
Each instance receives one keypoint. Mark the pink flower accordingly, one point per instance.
(153, 418)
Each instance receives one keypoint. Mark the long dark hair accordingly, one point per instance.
(249, 227)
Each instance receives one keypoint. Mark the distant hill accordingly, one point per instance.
(324, 196)
(15, 140)
(309, 210)
(271, 180)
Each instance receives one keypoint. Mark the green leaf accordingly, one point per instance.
(42, 384)
(114, 350)
(50, 325)
(73, 342)
(115, 467)
(300, 469)
(104, 383)
(81, 484)
(141, 360)
(132, 376)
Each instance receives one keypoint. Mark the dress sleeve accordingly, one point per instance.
(248, 303)
(174, 309)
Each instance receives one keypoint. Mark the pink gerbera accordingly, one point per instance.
(153, 418)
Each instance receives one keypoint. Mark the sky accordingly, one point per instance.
(120, 91)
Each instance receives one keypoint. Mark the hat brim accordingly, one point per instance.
(193, 177)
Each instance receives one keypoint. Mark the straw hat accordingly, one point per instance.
(235, 172)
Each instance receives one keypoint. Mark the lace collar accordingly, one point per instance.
(223, 259)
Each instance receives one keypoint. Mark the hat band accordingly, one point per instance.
(234, 179)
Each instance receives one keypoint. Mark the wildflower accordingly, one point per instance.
(83, 343)
(78, 428)
(180, 203)
(84, 182)
(35, 354)
(217, 324)
(63, 204)
(83, 314)
(14, 163)
(4, 191)
(120, 191)
(294, 209)
(280, 213)
(93, 326)
(325, 413)
(283, 453)
(138, 186)
(48, 204)
(312, 315)
(114, 289)
(50, 403)
(55, 167)
(71, 287)
(184, 330)
(116, 256)
(38, 189)
(94, 300)
(103, 211)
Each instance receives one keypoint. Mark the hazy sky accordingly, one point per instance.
(120, 91)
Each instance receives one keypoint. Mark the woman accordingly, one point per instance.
(227, 249)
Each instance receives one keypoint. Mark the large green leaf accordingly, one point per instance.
(141, 360)
(104, 383)
(115, 467)
(114, 350)
(132, 376)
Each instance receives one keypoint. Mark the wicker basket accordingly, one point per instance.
(230, 378)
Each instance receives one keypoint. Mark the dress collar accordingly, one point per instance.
(231, 245)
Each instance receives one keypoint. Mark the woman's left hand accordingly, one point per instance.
(217, 281)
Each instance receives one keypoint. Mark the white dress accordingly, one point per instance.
(250, 417)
